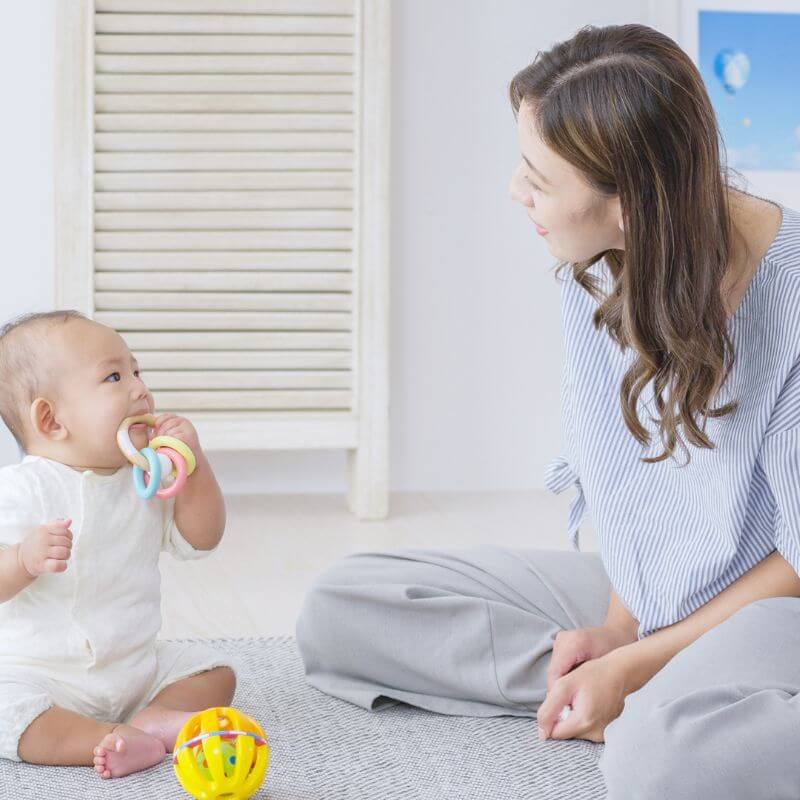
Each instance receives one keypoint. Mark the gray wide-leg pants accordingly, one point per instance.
(471, 631)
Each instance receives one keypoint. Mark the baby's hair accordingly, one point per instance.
(20, 380)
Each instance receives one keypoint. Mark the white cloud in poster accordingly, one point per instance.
(744, 157)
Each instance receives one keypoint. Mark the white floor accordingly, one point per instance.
(274, 545)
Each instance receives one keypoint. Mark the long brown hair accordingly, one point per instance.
(628, 108)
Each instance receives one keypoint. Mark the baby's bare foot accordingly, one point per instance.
(165, 723)
(125, 750)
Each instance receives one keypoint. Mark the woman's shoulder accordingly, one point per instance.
(779, 277)
(785, 247)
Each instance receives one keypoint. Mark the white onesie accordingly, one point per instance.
(85, 639)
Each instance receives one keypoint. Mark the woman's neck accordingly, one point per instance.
(756, 223)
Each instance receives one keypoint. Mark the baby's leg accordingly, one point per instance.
(172, 706)
(59, 737)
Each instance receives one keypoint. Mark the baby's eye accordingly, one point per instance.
(115, 377)
(136, 373)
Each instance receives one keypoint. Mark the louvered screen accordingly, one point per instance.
(224, 197)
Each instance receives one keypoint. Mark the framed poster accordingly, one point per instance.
(748, 55)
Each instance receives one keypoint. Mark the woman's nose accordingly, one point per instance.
(517, 191)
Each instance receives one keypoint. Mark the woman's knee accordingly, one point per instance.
(661, 750)
(639, 757)
(329, 608)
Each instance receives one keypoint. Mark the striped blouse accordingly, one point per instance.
(671, 537)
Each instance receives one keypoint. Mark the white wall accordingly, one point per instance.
(476, 358)
(26, 167)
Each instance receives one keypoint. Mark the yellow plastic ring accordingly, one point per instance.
(178, 446)
(125, 443)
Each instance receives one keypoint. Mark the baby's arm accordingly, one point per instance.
(46, 548)
(200, 507)
(13, 575)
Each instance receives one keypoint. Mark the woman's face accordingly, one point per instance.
(576, 222)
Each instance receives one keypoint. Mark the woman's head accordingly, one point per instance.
(619, 123)
(576, 221)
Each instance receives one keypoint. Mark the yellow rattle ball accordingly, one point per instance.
(221, 753)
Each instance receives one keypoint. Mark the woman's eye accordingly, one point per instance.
(115, 376)
(136, 373)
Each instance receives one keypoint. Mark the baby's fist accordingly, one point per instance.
(180, 428)
(46, 548)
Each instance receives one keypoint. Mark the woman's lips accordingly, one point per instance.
(539, 229)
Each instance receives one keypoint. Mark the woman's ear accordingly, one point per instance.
(618, 214)
(44, 422)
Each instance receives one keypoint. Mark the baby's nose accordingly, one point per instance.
(141, 392)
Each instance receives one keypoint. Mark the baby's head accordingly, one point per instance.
(66, 383)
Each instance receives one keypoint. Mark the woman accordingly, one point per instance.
(678, 646)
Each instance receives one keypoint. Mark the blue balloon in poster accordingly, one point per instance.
(732, 67)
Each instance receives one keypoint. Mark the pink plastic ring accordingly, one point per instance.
(182, 473)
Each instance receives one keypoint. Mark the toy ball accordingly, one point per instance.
(166, 460)
(221, 753)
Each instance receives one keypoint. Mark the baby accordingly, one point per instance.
(83, 679)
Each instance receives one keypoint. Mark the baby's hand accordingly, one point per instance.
(47, 548)
(180, 428)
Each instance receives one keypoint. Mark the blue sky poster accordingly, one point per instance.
(750, 63)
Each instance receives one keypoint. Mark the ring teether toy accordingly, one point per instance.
(165, 461)
(180, 467)
(142, 489)
(125, 443)
(176, 444)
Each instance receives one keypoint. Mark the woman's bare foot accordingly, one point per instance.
(125, 750)
(165, 723)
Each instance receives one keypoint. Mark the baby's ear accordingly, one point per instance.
(44, 422)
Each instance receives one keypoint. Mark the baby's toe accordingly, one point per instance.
(107, 742)
(110, 742)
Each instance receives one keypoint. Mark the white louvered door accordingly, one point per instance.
(222, 202)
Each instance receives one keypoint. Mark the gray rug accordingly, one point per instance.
(326, 749)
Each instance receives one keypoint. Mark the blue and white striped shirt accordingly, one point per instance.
(671, 537)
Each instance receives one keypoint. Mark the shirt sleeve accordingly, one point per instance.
(20, 506)
(173, 541)
(561, 472)
(780, 459)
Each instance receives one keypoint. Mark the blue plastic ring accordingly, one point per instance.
(146, 492)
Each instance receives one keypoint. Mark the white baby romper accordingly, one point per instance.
(85, 639)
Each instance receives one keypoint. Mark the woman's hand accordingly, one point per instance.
(596, 691)
(572, 647)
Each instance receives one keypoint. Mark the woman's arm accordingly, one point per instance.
(640, 660)
(620, 618)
